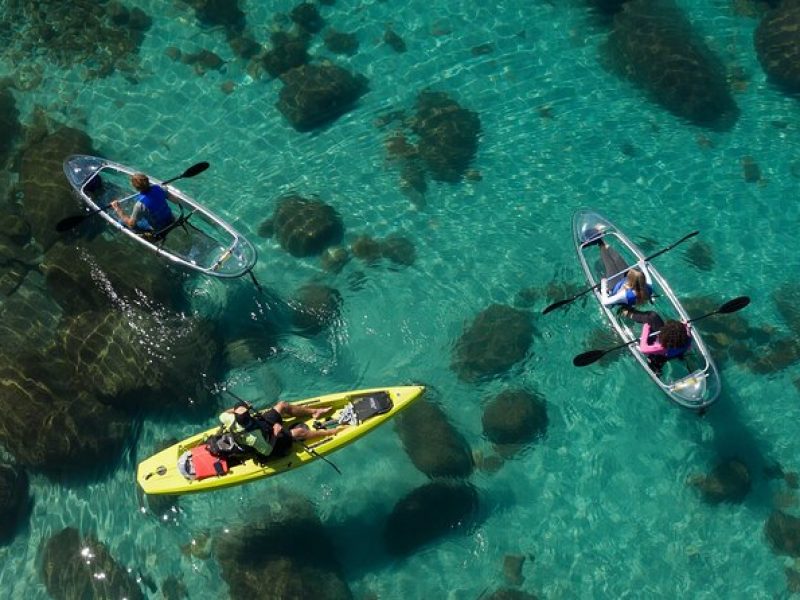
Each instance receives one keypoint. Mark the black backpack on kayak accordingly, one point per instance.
(224, 445)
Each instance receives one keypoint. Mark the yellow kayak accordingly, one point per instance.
(166, 472)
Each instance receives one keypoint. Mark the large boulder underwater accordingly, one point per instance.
(303, 226)
(777, 43)
(71, 563)
(428, 513)
(286, 545)
(315, 95)
(499, 337)
(435, 447)
(653, 45)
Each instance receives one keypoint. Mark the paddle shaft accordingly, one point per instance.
(560, 303)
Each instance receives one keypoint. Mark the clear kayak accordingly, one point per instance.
(693, 381)
(199, 240)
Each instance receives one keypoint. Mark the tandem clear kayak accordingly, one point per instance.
(692, 381)
(197, 239)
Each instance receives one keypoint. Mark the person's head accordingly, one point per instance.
(673, 335)
(637, 282)
(140, 182)
(241, 413)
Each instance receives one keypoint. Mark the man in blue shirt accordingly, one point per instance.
(151, 211)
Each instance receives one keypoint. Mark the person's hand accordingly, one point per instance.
(276, 429)
(642, 265)
(115, 204)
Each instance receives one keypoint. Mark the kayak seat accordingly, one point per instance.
(370, 405)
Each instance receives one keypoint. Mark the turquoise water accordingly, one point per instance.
(600, 506)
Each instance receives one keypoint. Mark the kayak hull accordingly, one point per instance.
(694, 383)
(204, 242)
(160, 474)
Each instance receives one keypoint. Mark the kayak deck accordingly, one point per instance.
(692, 381)
(201, 241)
(160, 474)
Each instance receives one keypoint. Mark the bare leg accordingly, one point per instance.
(614, 264)
(285, 408)
(302, 433)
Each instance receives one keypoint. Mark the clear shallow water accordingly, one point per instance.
(601, 503)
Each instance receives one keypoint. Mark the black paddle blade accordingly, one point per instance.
(195, 169)
(70, 222)
(588, 358)
(555, 305)
(734, 305)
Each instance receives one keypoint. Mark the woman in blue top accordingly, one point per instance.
(627, 288)
(151, 211)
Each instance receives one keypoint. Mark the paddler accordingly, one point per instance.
(151, 213)
(672, 340)
(265, 433)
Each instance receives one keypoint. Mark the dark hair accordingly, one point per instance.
(673, 335)
(243, 419)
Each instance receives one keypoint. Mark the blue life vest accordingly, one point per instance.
(630, 295)
(676, 352)
(154, 200)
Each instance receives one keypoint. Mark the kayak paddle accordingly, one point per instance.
(591, 356)
(75, 220)
(560, 303)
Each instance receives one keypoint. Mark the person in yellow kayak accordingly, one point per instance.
(265, 433)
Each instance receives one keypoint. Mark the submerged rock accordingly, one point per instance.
(315, 307)
(219, 13)
(9, 123)
(274, 547)
(100, 36)
(287, 51)
(777, 42)
(448, 135)
(47, 197)
(783, 533)
(730, 481)
(14, 499)
(71, 564)
(307, 17)
(54, 429)
(137, 362)
(499, 337)
(435, 447)
(305, 227)
(515, 417)
(428, 513)
(94, 273)
(653, 44)
(314, 95)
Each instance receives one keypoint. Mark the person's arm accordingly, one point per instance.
(301, 433)
(128, 221)
(644, 342)
(621, 297)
